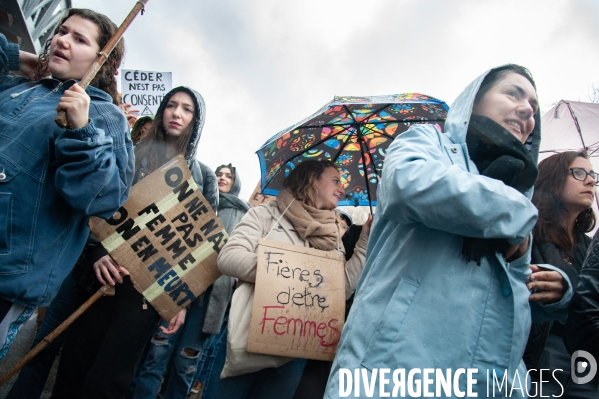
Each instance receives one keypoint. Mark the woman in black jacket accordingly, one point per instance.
(563, 194)
(103, 346)
(582, 328)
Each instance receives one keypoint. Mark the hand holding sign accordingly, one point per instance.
(167, 237)
(107, 271)
(130, 113)
(175, 323)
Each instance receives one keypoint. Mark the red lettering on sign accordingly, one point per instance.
(282, 325)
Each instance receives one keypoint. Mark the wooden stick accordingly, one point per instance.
(62, 120)
(105, 290)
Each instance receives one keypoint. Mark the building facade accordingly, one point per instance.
(29, 22)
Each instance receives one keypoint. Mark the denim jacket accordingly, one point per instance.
(52, 180)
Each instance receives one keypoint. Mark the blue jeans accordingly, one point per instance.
(33, 376)
(271, 383)
(185, 347)
(213, 361)
(205, 360)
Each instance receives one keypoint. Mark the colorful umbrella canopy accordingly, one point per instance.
(354, 133)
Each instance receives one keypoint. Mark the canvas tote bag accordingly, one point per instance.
(239, 361)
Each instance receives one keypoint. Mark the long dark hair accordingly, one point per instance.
(153, 147)
(105, 78)
(301, 180)
(552, 225)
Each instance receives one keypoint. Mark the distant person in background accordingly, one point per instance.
(141, 129)
(346, 220)
(563, 193)
(231, 209)
(352, 233)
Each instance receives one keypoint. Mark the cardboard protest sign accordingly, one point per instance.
(167, 236)
(144, 90)
(299, 302)
(258, 199)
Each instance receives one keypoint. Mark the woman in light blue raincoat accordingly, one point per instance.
(437, 291)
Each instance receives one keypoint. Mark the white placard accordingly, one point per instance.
(144, 90)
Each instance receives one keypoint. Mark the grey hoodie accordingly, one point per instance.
(202, 174)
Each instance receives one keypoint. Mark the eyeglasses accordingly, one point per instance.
(581, 174)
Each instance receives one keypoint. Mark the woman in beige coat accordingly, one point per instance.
(303, 214)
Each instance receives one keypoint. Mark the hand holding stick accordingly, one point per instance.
(62, 120)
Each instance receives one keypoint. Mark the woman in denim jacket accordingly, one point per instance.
(53, 179)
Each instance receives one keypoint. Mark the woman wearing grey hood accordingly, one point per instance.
(103, 346)
(231, 210)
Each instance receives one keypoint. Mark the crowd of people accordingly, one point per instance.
(478, 257)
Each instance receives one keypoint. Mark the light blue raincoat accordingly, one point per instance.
(419, 303)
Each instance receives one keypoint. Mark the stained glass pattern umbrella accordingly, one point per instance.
(354, 133)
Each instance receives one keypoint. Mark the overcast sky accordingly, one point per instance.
(262, 65)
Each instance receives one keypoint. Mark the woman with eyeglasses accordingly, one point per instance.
(563, 193)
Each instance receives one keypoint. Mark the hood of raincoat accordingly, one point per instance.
(199, 113)
(458, 118)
